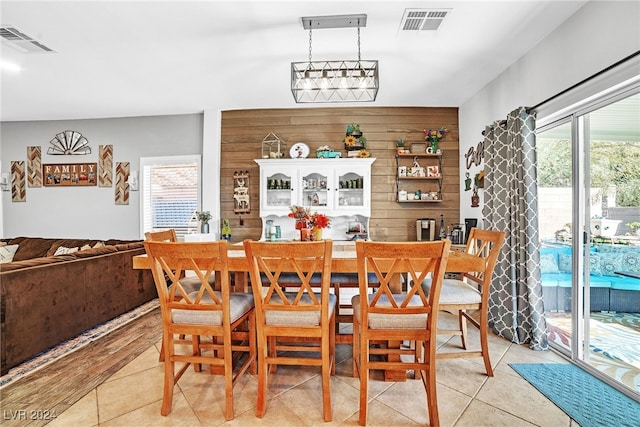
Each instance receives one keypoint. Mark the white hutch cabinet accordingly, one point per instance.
(339, 188)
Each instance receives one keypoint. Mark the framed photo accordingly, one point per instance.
(433, 171)
(69, 174)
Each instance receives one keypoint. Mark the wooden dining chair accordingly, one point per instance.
(190, 284)
(471, 292)
(227, 317)
(289, 322)
(386, 316)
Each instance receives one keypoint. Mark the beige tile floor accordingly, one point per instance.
(466, 396)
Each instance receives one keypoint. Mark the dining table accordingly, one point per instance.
(344, 261)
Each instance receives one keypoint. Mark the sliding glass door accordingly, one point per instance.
(589, 204)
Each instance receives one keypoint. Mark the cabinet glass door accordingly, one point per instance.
(314, 190)
(351, 191)
(278, 192)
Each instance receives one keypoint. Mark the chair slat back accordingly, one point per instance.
(298, 263)
(485, 244)
(162, 236)
(170, 260)
(416, 260)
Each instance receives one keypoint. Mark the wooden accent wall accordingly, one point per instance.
(244, 130)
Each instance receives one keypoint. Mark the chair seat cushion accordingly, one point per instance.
(392, 321)
(240, 304)
(455, 292)
(297, 318)
(192, 283)
(352, 279)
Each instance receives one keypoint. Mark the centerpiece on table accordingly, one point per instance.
(309, 224)
(433, 136)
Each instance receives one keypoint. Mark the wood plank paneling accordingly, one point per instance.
(244, 130)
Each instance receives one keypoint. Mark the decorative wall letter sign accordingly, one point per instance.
(34, 166)
(122, 185)
(475, 156)
(18, 184)
(69, 142)
(105, 166)
(66, 174)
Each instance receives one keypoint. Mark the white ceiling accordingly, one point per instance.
(139, 58)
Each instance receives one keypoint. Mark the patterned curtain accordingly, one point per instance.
(516, 310)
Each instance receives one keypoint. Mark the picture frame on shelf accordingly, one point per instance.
(433, 171)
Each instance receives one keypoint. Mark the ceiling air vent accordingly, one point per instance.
(20, 41)
(423, 19)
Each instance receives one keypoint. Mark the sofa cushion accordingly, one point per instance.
(605, 264)
(625, 283)
(565, 263)
(128, 246)
(548, 264)
(62, 250)
(7, 252)
(69, 243)
(87, 253)
(35, 262)
(31, 247)
(630, 261)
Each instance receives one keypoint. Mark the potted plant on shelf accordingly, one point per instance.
(354, 130)
(400, 144)
(204, 217)
(355, 142)
(635, 227)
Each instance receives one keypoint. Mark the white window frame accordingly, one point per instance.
(145, 164)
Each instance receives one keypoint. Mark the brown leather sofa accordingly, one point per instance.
(47, 299)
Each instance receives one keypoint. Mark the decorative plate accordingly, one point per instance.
(300, 150)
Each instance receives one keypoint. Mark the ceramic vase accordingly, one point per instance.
(434, 144)
(305, 234)
(316, 234)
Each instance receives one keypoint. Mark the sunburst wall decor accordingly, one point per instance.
(69, 142)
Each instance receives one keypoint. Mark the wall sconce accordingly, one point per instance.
(133, 181)
(5, 182)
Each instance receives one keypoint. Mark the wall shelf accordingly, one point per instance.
(420, 201)
(429, 174)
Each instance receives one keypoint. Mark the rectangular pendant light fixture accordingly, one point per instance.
(353, 80)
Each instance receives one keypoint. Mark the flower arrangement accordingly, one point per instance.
(301, 215)
(203, 216)
(318, 220)
(434, 135)
(305, 219)
(351, 141)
